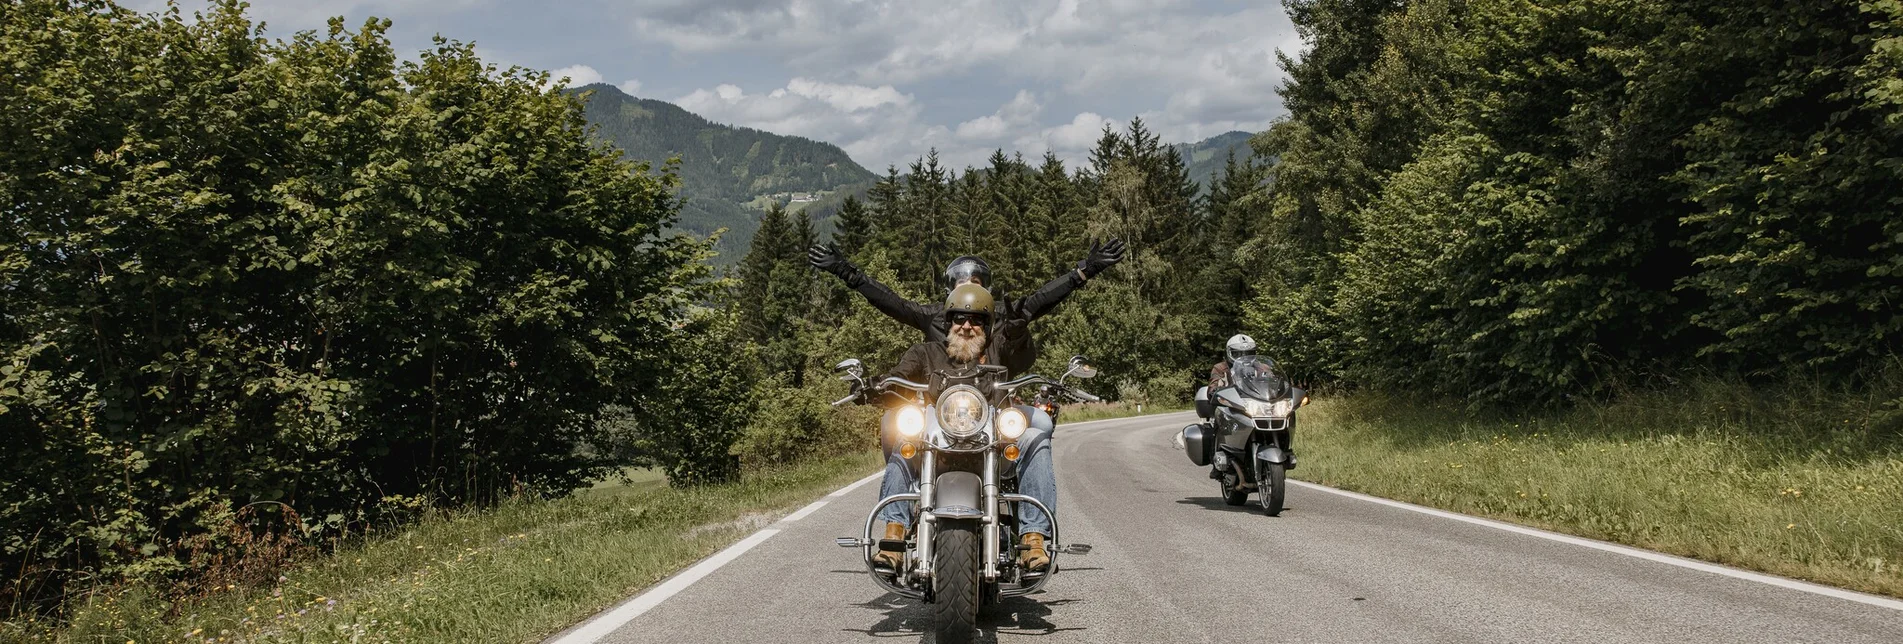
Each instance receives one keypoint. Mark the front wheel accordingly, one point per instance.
(1272, 486)
(1232, 491)
(955, 587)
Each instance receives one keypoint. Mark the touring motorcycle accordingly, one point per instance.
(1245, 434)
(960, 553)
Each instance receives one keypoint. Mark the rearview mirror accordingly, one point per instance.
(854, 370)
(1080, 367)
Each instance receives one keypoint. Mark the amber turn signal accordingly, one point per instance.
(1011, 452)
(907, 451)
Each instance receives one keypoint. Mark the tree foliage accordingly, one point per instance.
(241, 271)
(1519, 200)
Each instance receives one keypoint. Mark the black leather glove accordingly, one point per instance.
(1101, 256)
(1011, 321)
(827, 258)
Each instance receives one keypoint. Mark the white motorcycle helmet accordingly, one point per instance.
(1239, 346)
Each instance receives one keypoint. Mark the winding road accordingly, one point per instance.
(1172, 563)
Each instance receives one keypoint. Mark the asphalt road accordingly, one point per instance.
(1172, 563)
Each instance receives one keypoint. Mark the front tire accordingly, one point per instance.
(1232, 491)
(955, 564)
(1272, 487)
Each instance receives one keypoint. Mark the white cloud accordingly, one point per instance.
(631, 87)
(1189, 72)
(1015, 115)
(577, 75)
(1070, 141)
(876, 125)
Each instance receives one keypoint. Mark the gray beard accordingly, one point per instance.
(965, 349)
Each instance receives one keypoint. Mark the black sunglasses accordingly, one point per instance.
(974, 319)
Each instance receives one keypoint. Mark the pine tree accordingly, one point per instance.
(756, 271)
(853, 228)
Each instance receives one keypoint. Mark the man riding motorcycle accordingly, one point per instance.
(1238, 347)
(969, 310)
(1013, 337)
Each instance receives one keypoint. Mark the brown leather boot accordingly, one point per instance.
(887, 558)
(1033, 558)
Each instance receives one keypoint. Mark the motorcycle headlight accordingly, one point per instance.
(911, 421)
(1277, 409)
(1012, 423)
(961, 412)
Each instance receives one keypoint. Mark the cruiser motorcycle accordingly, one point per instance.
(1245, 434)
(962, 434)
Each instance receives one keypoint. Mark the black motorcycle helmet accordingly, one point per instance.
(967, 267)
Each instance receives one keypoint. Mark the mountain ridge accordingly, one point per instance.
(723, 167)
(727, 171)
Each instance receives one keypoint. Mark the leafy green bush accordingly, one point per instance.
(300, 272)
(793, 424)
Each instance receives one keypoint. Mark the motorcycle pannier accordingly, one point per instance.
(1204, 406)
(1198, 444)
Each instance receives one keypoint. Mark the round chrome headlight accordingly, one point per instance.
(1011, 423)
(911, 421)
(961, 412)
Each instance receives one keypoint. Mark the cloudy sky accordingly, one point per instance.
(884, 79)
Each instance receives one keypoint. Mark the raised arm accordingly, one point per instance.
(1046, 297)
(907, 312)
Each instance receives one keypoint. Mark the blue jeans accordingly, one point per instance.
(1036, 479)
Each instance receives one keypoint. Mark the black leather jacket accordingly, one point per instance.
(1011, 335)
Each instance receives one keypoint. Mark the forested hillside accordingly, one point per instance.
(1205, 158)
(1529, 201)
(722, 167)
(1152, 323)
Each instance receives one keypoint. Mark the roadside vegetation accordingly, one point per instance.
(260, 298)
(1801, 480)
(519, 571)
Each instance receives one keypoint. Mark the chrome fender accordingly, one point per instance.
(958, 495)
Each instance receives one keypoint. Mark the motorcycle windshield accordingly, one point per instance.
(1255, 377)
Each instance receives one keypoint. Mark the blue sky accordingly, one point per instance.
(884, 79)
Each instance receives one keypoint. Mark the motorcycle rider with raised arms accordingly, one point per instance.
(969, 308)
(1003, 333)
(1017, 351)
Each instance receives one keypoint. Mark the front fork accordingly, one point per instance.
(928, 475)
(991, 516)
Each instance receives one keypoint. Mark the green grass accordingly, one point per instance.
(1797, 481)
(514, 573)
(1107, 410)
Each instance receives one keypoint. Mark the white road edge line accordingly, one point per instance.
(612, 620)
(1792, 584)
(608, 622)
(603, 624)
(855, 485)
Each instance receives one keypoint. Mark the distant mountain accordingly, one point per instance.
(1206, 157)
(723, 168)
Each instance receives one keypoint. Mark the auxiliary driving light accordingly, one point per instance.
(1012, 422)
(911, 421)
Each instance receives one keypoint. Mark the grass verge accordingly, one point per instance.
(514, 573)
(1107, 410)
(1797, 481)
